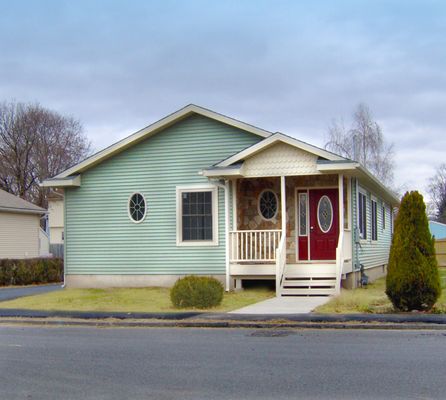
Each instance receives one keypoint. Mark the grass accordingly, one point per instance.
(372, 299)
(126, 300)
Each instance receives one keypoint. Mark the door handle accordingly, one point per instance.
(311, 227)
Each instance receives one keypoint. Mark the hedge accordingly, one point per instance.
(30, 271)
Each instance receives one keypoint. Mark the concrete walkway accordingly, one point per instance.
(11, 293)
(284, 305)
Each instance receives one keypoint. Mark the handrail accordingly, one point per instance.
(339, 261)
(280, 264)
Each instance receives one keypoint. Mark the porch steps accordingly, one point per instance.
(309, 280)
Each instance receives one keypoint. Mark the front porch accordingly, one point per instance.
(280, 242)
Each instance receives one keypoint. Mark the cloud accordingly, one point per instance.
(283, 66)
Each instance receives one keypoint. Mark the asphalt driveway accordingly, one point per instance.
(14, 293)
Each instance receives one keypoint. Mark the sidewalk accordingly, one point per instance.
(284, 305)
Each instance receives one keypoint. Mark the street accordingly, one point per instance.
(93, 363)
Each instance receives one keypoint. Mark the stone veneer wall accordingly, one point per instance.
(248, 216)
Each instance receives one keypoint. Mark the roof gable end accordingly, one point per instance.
(153, 129)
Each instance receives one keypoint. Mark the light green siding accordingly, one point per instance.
(101, 239)
(367, 252)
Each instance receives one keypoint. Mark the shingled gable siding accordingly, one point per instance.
(101, 239)
(372, 253)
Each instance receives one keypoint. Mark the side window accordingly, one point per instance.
(374, 210)
(362, 215)
(384, 217)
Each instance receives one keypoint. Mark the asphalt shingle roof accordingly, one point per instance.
(9, 202)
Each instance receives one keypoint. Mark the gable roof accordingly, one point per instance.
(276, 138)
(11, 203)
(151, 130)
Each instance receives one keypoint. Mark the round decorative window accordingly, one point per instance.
(325, 214)
(268, 204)
(137, 207)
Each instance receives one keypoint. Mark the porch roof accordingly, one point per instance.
(324, 163)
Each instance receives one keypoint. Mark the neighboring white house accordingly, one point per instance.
(55, 217)
(20, 232)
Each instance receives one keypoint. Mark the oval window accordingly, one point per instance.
(137, 207)
(325, 214)
(268, 203)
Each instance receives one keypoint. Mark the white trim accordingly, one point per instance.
(74, 181)
(236, 172)
(330, 167)
(278, 137)
(179, 223)
(332, 214)
(145, 208)
(154, 128)
(258, 204)
(341, 203)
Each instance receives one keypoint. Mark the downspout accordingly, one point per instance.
(64, 238)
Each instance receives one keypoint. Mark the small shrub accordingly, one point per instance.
(196, 292)
(30, 271)
(413, 280)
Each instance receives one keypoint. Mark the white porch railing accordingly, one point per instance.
(254, 246)
(280, 264)
(339, 261)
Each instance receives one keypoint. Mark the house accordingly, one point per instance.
(20, 232)
(438, 230)
(56, 222)
(201, 193)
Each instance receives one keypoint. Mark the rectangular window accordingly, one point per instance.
(362, 215)
(303, 215)
(384, 217)
(197, 216)
(374, 220)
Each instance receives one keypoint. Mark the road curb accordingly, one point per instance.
(272, 325)
(224, 320)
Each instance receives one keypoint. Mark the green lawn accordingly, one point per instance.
(372, 299)
(126, 300)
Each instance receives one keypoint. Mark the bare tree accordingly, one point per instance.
(36, 143)
(437, 193)
(363, 142)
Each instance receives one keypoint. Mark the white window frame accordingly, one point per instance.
(373, 219)
(179, 215)
(383, 216)
(145, 208)
(361, 234)
(277, 202)
(303, 194)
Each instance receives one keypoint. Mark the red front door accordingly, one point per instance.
(324, 223)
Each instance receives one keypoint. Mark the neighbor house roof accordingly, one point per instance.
(11, 203)
(64, 178)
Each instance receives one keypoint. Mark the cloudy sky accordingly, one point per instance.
(289, 66)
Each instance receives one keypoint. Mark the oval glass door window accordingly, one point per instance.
(325, 214)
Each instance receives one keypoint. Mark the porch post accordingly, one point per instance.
(283, 204)
(227, 234)
(341, 201)
(340, 249)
